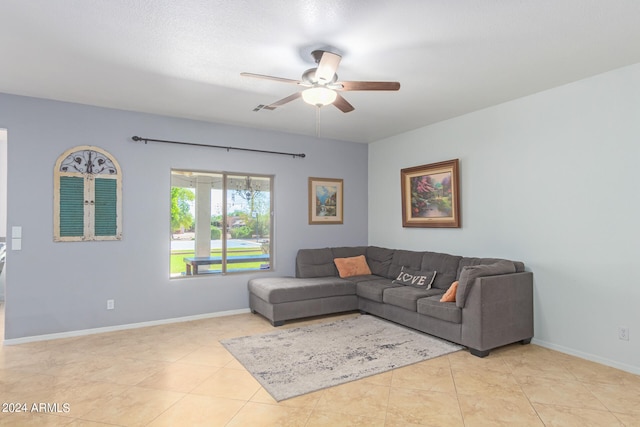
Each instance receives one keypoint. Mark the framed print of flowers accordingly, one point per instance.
(431, 195)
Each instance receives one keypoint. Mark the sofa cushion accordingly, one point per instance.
(446, 265)
(366, 278)
(431, 306)
(379, 260)
(352, 266)
(402, 258)
(373, 289)
(418, 279)
(469, 274)
(348, 251)
(315, 263)
(450, 295)
(407, 296)
(277, 290)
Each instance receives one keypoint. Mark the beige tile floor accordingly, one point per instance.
(180, 375)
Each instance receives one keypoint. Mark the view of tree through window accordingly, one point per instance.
(220, 222)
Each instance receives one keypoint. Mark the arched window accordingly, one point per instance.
(87, 196)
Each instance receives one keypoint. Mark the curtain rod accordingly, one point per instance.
(294, 155)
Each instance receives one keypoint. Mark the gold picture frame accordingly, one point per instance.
(431, 195)
(325, 201)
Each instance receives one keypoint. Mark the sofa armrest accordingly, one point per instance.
(498, 311)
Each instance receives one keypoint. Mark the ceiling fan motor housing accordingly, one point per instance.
(309, 76)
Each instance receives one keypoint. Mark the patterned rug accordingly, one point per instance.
(292, 362)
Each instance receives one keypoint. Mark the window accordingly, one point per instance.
(87, 196)
(220, 222)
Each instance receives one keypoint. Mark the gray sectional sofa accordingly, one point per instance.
(493, 302)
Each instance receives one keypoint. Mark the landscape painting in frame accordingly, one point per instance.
(431, 195)
(325, 201)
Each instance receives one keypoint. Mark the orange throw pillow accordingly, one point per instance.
(450, 295)
(353, 266)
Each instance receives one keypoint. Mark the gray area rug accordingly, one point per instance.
(292, 362)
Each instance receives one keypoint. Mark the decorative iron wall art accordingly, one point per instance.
(87, 196)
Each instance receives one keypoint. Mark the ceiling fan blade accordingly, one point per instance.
(278, 79)
(369, 85)
(327, 67)
(283, 101)
(342, 104)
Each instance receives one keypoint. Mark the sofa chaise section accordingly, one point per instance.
(286, 298)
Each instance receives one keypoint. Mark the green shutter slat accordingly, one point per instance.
(71, 206)
(105, 207)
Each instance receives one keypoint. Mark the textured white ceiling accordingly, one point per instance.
(184, 58)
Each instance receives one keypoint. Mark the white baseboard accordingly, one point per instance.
(588, 356)
(83, 332)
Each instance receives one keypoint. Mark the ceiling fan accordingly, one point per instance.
(322, 85)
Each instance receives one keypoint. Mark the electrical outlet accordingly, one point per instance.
(110, 304)
(623, 333)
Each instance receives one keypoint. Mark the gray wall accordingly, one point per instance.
(3, 184)
(59, 287)
(552, 180)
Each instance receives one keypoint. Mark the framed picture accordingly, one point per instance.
(431, 195)
(325, 201)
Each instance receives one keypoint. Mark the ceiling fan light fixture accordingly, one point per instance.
(319, 96)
